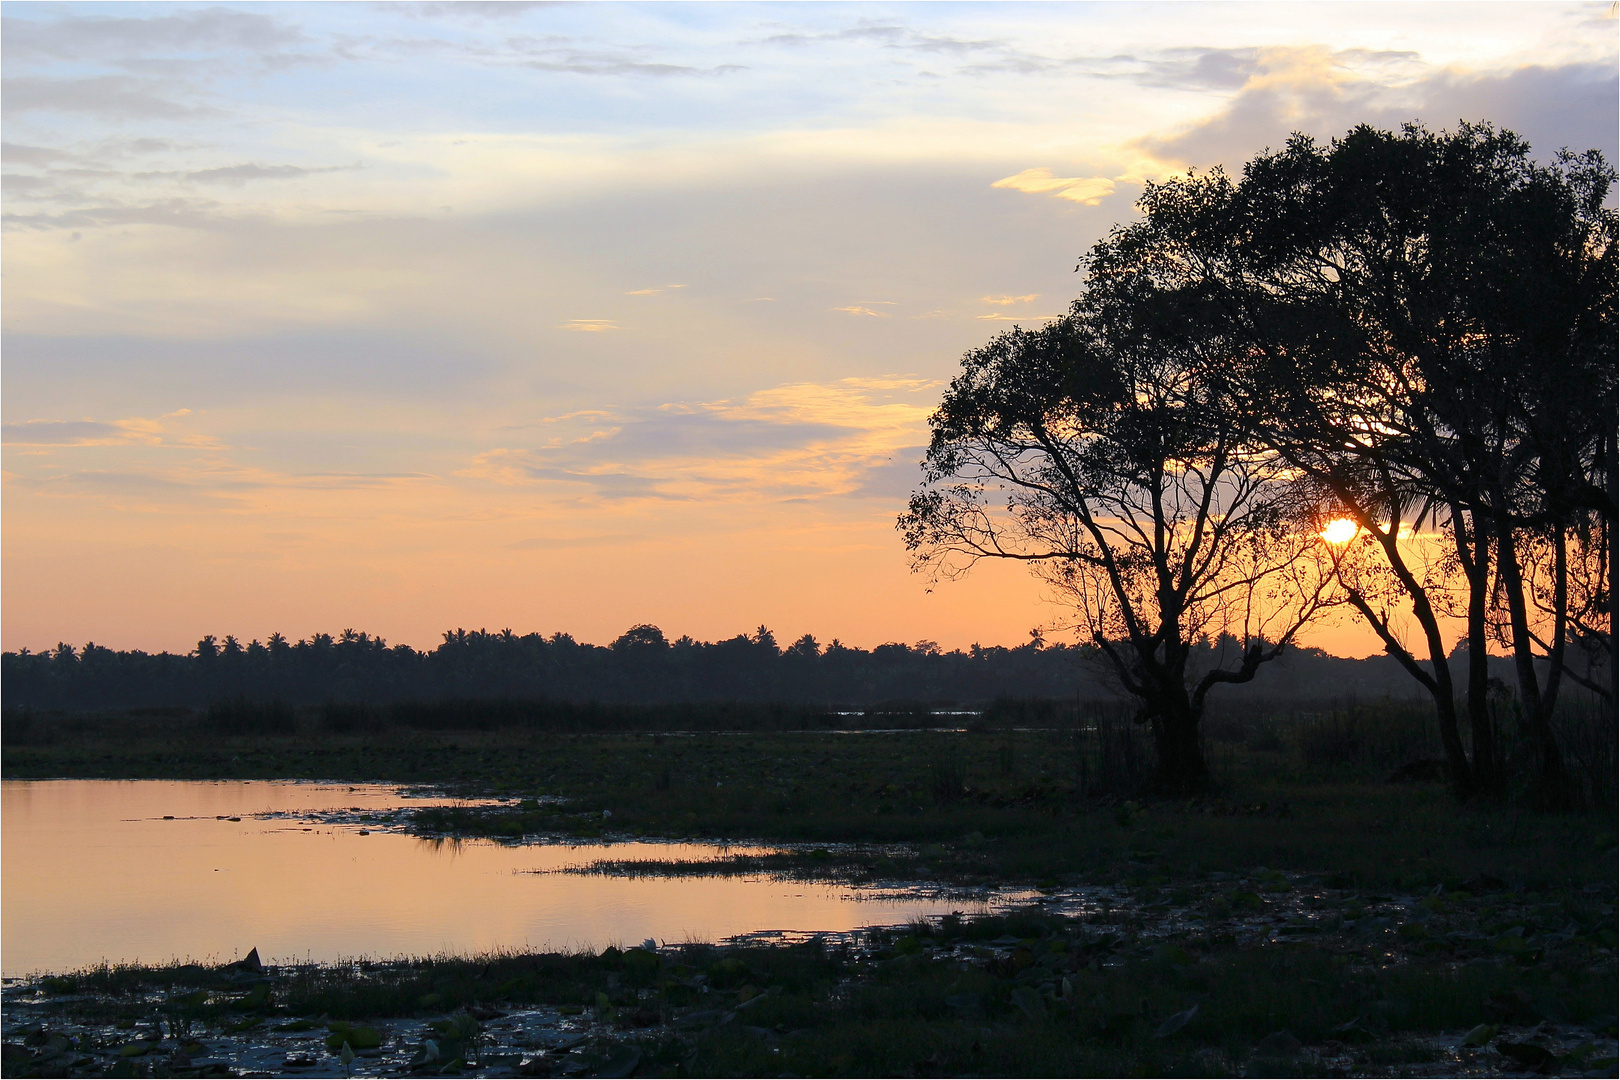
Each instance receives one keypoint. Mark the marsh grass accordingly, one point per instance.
(926, 999)
(1112, 755)
(1301, 791)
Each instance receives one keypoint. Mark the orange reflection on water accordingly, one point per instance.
(93, 872)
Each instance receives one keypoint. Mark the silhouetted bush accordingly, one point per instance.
(1374, 738)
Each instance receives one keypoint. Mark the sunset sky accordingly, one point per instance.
(405, 317)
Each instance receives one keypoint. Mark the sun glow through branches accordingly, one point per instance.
(1340, 531)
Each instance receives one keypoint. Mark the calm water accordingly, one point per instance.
(92, 871)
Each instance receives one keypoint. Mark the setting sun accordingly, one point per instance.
(1340, 531)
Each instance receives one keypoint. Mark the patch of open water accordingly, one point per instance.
(156, 870)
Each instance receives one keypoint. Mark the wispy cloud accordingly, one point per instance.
(237, 175)
(1323, 91)
(136, 430)
(502, 10)
(579, 62)
(209, 482)
(889, 35)
(81, 38)
(176, 212)
(111, 97)
(1008, 301)
(996, 316)
(1089, 190)
(797, 441)
(590, 326)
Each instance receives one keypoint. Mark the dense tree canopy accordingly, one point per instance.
(1418, 330)
(1101, 450)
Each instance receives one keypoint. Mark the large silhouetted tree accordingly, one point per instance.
(1101, 450)
(1423, 326)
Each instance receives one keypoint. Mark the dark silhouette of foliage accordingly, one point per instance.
(1424, 326)
(1414, 331)
(479, 678)
(1102, 450)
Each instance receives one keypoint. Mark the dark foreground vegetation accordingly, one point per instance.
(1482, 979)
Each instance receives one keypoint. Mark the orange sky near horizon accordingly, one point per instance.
(629, 313)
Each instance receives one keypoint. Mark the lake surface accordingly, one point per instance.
(157, 870)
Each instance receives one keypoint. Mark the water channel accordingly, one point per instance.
(152, 871)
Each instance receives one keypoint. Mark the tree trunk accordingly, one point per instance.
(1551, 790)
(1474, 551)
(1180, 768)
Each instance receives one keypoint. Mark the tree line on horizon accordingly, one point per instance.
(642, 666)
(1375, 375)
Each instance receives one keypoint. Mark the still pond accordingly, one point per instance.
(154, 871)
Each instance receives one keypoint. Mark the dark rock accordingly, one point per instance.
(1483, 883)
(1278, 1044)
(1511, 1007)
(249, 963)
(1528, 1055)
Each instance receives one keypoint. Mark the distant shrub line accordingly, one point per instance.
(640, 667)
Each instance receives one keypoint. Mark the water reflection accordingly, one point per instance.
(153, 871)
